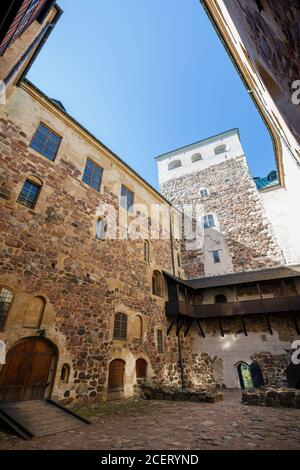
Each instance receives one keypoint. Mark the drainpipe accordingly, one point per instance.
(180, 360)
(171, 241)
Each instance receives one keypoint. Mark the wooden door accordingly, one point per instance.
(116, 375)
(141, 368)
(26, 372)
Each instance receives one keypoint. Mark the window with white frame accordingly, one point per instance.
(209, 221)
(216, 256)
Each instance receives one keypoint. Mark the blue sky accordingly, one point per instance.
(147, 77)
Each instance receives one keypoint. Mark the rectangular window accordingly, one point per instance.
(29, 194)
(127, 198)
(216, 256)
(203, 192)
(92, 175)
(209, 221)
(160, 345)
(45, 142)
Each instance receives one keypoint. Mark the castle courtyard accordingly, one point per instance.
(162, 425)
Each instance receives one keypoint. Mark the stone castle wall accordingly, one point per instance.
(242, 233)
(51, 251)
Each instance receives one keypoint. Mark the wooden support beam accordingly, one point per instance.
(180, 322)
(189, 327)
(296, 323)
(171, 325)
(200, 328)
(221, 327)
(244, 326)
(269, 323)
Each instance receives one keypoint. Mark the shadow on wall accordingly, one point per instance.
(271, 36)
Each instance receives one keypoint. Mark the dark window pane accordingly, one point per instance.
(160, 347)
(45, 142)
(120, 326)
(29, 194)
(92, 175)
(127, 198)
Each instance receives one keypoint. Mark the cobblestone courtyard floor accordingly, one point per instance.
(137, 424)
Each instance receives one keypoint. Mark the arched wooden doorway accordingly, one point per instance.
(29, 370)
(116, 375)
(141, 368)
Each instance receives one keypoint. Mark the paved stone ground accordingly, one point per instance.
(137, 424)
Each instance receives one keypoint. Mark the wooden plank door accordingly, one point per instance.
(116, 375)
(26, 372)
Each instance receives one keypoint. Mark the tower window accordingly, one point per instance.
(146, 251)
(203, 192)
(196, 157)
(216, 256)
(174, 164)
(29, 194)
(209, 221)
(92, 175)
(157, 284)
(45, 142)
(221, 149)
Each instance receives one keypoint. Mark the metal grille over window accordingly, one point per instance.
(160, 346)
(45, 142)
(29, 194)
(92, 175)
(6, 297)
(120, 326)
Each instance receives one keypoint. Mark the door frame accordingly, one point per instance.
(52, 374)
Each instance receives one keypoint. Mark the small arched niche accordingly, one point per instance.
(65, 373)
(174, 164)
(197, 157)
(34, 314)
(221, 149)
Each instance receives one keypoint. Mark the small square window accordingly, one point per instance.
(29, 194)
(45, 142)
(127, 198)
(203, 192)
(92, 175)
(216, 256)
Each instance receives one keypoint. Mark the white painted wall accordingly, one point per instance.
(206, 149)
(234, 348)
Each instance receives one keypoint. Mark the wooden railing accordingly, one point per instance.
(247, 307)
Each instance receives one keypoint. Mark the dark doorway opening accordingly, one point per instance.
(250, 376)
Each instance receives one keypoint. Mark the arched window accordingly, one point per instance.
(34, 314)
(221, 149)
(174, 164)
(101, 228)
(157, 284)
(141, 368)
(6, 297)
(138, 327)
(220, 299)
(146, 251)
(65, 373)
(116, 376)
(120, 326)
(196, 157)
